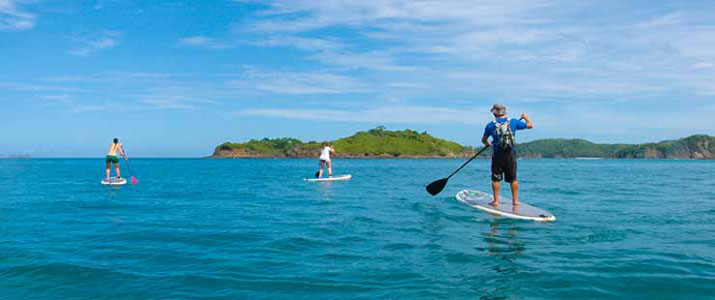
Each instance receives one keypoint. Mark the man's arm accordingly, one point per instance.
(485, 137)
(485, 141)
(526, 118)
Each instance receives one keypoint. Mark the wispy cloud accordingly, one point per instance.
(303, 43)
(669, 19)
(167, 103)
(81, 108)
(296, 83)
(315, 14)
(203, 41)
(172, 97)
(69, 103)
(13, 18)
(619, 55)
(62, 97)
(122, 77)
(333, 52)
(195, 41)
(28, 87)
(386, 114)
(140, 91)
(93, 44)
(370, 60)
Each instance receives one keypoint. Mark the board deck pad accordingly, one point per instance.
(523, 211)
(114, 181)
(334, 178)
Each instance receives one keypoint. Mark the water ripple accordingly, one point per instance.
(221, 230)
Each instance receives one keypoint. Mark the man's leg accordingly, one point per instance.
(497, 176)
(510, 176)
(330, 168)
(116, 169)
(515, 192)
(108, 169)
(495, 189)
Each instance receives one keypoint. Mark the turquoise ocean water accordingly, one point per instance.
(252, 229)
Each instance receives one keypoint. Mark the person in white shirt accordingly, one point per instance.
(325, 160)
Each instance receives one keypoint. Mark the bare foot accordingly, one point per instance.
(515, 203)
(495, 204)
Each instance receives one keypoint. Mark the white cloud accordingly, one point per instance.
(13, 19)
(204, 42)
(59, 98)
(661, 21)
(703, 65)
(167, 103)
(623, 54)
(369, 60)
(310, 15)
(405, 85)
(303, 43)
(27, 87)
(386, 114)
(89, 108)
(120, 76)
(195, 41)
(296, 83)
(176, 96)
(91, 45)
(332, 52)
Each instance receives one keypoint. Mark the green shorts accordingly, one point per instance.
(111, 159)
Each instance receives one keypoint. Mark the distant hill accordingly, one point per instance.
(377, 142)
(692, 147)
(382, 143)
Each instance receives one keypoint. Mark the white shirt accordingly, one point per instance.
(325, 153)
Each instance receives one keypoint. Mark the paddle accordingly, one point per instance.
(133, 179)
(437, 186)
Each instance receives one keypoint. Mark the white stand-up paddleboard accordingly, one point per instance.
(523, 211)
(114, 181)
(334, 178)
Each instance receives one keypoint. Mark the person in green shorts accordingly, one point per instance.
(112, 157)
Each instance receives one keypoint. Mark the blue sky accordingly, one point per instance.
(176, 78)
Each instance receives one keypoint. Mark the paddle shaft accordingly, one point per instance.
(467, 162)
(126, 160)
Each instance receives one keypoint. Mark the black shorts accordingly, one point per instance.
(504, 166)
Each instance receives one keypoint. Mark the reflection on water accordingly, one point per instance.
(325, 188)
(502, 240)
(503, 243)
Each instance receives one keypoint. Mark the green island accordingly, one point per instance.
(382, 143)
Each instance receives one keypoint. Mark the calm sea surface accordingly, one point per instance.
(252, 229)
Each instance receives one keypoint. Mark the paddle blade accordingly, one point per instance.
(437, 186)
(134, 180)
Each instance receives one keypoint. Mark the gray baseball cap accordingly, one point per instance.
(499, 109)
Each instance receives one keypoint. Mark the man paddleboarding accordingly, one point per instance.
(325, 160)
(112, 158)
(503, 133)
